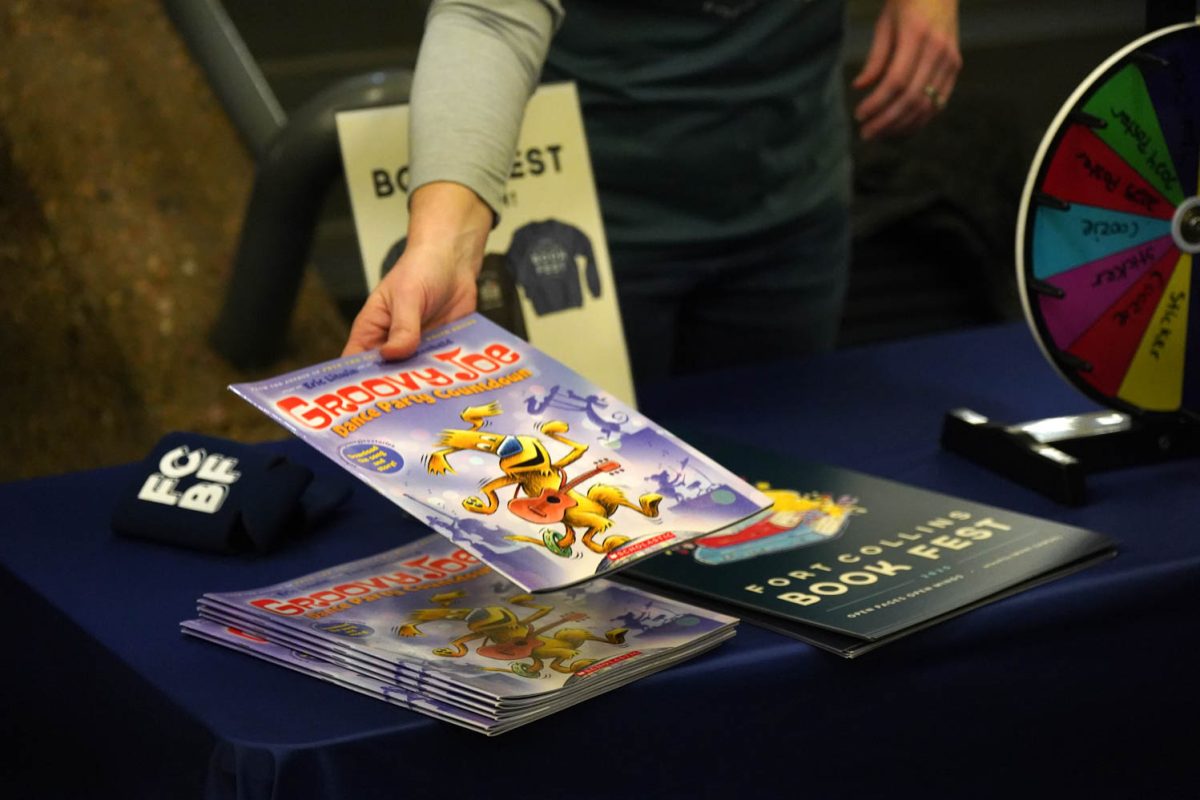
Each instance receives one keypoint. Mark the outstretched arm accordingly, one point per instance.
(911, 68)
(479, 62)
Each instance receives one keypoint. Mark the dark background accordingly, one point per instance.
(123, 183)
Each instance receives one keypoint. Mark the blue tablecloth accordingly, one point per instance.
(1085, 686)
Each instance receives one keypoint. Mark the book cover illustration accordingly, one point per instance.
(795, 520)
(429, 627)
(849, 561)
(510, 454)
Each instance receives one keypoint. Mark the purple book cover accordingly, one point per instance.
(510, 454)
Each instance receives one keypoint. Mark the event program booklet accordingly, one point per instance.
(429, 627)
(849, 562)
(509, 454)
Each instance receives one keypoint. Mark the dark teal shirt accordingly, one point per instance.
(707, 121)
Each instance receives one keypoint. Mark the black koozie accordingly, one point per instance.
(213, 494)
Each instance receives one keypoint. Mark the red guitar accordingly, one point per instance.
(511, 650)
(550, 506)
(523, 647)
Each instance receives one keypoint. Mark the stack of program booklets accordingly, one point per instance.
(429, 627)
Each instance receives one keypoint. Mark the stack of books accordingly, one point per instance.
(430, 628)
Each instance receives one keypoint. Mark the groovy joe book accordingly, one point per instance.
(510, 454)
(429, 627)
(848, 561)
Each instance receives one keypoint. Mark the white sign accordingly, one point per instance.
(546, 275)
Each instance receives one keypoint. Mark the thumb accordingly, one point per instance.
(404, 332)
(370, 327)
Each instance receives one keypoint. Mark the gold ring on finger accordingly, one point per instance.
(935, 96)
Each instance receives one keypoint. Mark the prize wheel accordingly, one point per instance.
(1109, 226)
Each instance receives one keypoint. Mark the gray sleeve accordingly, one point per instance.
(478, 64)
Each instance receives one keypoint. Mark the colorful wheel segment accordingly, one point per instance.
(1110, 225)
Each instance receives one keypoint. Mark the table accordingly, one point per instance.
(1084, 686)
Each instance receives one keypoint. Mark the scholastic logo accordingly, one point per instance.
(638, 547)
(608, 663)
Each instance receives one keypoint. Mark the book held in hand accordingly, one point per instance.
(849, 562)
(429, 627)
(510, 454)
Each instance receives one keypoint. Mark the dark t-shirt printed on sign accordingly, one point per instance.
(543, 258)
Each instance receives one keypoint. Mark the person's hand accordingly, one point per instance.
(911, 67)
(433, 282)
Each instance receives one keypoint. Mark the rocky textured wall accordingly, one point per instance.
(122, 187)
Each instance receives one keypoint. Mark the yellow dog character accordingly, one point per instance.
(525, 462)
